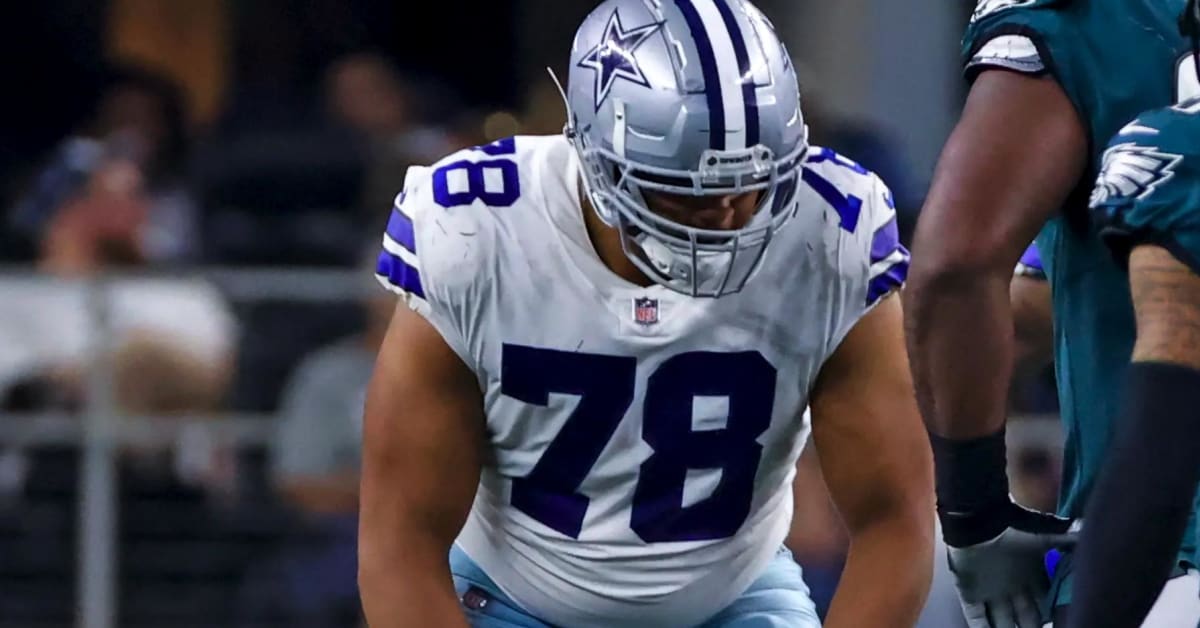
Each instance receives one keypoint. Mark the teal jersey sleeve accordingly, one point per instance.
(1013, 35)
(1148, 190)
(1113, 58)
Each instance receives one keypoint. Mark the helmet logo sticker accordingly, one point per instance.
(613, 57)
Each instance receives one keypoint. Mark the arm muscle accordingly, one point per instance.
(1015, 156)
(423, 441)
(876, 461)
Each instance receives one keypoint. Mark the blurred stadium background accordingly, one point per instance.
(189, 190)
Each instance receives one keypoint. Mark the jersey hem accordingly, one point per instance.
(1122, 241)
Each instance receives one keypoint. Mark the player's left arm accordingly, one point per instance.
(1140, 503)
(879, 469)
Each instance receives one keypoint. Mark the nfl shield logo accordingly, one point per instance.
(645, 311)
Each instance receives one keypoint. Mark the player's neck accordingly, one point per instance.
(607, 243)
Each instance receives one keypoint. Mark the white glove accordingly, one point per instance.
(1002, 581)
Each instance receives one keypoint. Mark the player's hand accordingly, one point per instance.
(1002, 580)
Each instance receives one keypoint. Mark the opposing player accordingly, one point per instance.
(589, 409)
(1052, 81)
(1147, 203)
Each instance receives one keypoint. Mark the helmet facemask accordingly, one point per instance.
(690, 260)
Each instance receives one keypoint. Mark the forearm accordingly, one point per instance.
(1140, 504)
(961, 348)
(960, 344)
(397, 593)
(887, 574)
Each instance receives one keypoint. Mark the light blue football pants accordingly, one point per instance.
(778, 599)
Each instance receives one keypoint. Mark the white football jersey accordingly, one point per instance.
(644, 441)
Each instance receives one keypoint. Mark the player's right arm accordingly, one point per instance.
(424, 424)
(423, 438)
(1016, 154)
(1147, 204)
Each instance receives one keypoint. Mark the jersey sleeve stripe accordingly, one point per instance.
(393, 247)
(888, 274)
(848, 207)
(892, 279)
(897, 256)
(400, 230)
(1011, 52)
(885, 241)
(398, 273)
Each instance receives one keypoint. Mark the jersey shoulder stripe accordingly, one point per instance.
(867, 213)
(398, 268)
(889, 258)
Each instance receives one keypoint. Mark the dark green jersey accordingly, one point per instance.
(1115, 59)
(1149, 188)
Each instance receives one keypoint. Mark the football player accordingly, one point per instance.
(589, 408)
(1053, 80)
(1147, 202)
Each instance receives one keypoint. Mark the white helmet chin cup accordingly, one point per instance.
(662, 257)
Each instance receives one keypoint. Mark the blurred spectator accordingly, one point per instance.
(316, 453)
(315, 462)
(280, 178)
(366, 93)
(187, 41)
(172, 342)
(169, 345)
(119, 183)
(115, 201)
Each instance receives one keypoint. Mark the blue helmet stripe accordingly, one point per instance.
(712, 79)
(749, 90)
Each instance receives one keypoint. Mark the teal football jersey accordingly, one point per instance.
(1148, 190)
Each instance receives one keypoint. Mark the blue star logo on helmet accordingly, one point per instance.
(613, 57)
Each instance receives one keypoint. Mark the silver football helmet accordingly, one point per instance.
(686, 97)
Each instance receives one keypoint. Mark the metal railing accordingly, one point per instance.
(100, 429)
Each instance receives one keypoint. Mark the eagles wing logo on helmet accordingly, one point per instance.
(613, 57)
(988, 7)
(1133, 171)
